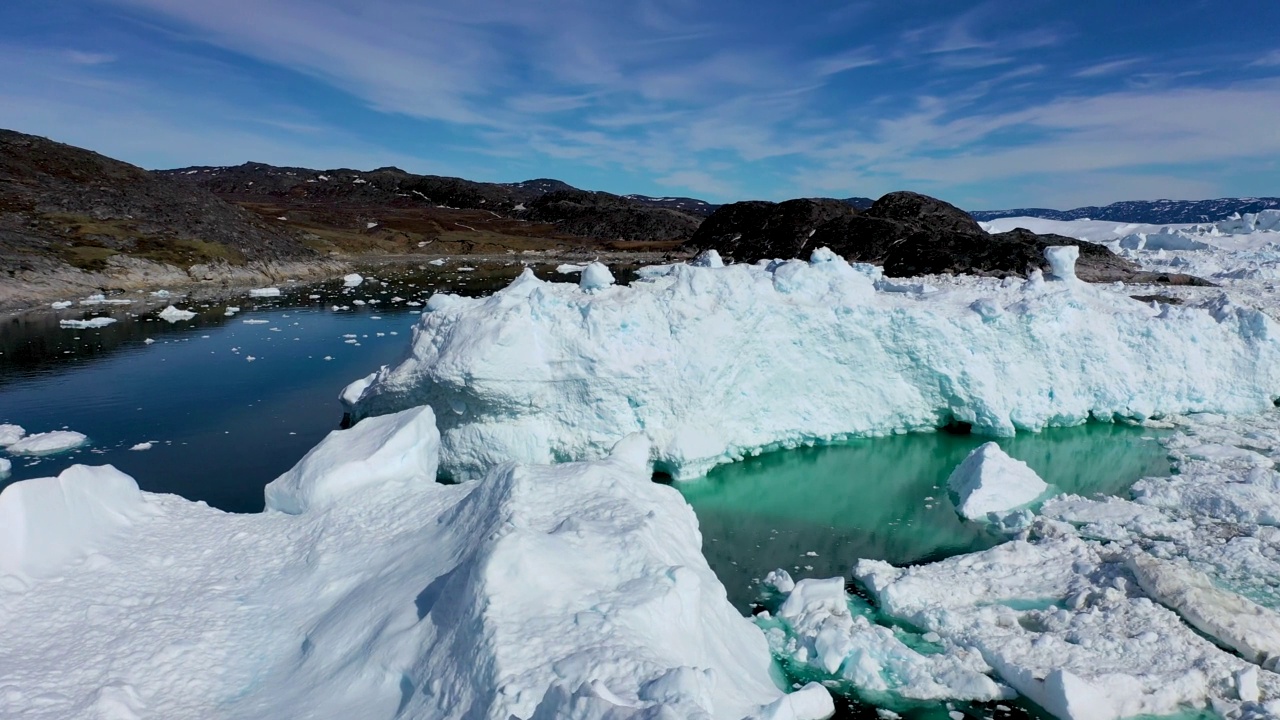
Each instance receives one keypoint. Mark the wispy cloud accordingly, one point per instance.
(89, 58)
(1271, 59)
(1106, 68)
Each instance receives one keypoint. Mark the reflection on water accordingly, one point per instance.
(813, 511)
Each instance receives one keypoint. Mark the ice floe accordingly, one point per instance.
(10, 434)
(713, 363)
(265, 292)
(172, 314)
(352, 280)
(575, 590)
(97, 322)
(47, 442)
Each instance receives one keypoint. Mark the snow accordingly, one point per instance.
(352, 280)
(47, 522)
(595, 276)
(265, 292)
(716, 363)
(989, 481)
(97, 322)
(47, 443)
(10, 434)
(569, 591)
(173, 314)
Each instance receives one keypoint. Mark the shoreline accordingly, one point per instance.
(36, 290)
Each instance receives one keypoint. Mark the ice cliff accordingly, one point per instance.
(713, 363)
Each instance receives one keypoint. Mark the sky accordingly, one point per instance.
(989, 105)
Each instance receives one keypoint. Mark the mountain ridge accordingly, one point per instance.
(1149, 212)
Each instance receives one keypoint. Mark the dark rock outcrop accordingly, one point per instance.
(909, 233)
(63, 203)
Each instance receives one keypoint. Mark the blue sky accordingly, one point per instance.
(986, 104)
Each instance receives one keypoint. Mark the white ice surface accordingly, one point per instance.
(173, 314)
(989, 481)
(47, 442)
(352, 280)
(569, 591)
(816, 628)
(5, 466)
(10, 434)
(716, 363)
(97, 322)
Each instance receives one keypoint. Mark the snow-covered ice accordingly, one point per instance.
(173, 314)
(10, 434)
(97, 322)
(47, 443)
(715, 363)
(569, 591)
(989, 481)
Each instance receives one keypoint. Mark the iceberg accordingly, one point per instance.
(10, 434)
(172, 314)
(265, 292)
(989, 481)
(366, 589)
(352, 280)
(714, 363)
(47, 443)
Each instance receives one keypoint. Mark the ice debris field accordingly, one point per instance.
(556, 580)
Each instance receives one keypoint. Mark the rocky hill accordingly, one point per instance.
(74, 216)
(345, 198)
(907, 233)
(1155, 212)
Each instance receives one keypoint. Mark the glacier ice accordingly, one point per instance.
(713, 363)
(989, 481)
(172, 314)
(46, 443)
(576, 590)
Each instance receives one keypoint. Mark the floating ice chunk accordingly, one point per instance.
(172, 314)
(989, 481)
(811, 702)
(370, 225)
(254, 321)
(161, 293)
(10, 434)
(352, 280)
(47, 443)
(61, 305)
(1232, 620)
(265, 292)
(46, 522)
(437, 262)
(148, 341)
(97, 322)
(141, 446)
(352, 392)
(5, 466)
(231, 310)
(709, 259)
(818, 630)
(569, 269)
(595, 276)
